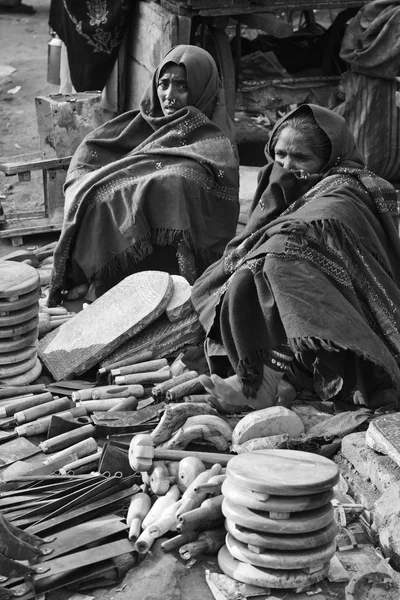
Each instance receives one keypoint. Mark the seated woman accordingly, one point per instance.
(155, 188)
(308, 293)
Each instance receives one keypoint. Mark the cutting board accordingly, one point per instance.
(9, 358)
(270, 578)
(17, 279)
(310, 520)
(383, 435)
(19, 316)
(24, 378)
(282, 504)
(273, 541)
(7, 305)
(19, 343)
(283, 472)
(278, 559)
(93, 333)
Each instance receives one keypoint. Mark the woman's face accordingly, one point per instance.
(293, 152)
(173, 90)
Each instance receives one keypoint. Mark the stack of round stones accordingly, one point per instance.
(279, 518)
(19, 309)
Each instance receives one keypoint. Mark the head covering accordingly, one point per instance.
(206, 92)
(344, 151)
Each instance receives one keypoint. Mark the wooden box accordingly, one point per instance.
(65, 119)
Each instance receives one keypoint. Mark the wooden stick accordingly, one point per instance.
(132, 360)
(117, 391)
(17, 405)
(184, 389)
(161, 389)
(10, 392)
(144, 367)
(143, 378)
(199, 398)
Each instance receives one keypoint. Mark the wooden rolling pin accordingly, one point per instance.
(194, 386)
(67, 439)
(18, 405)
(161, 389)
(131, 360)
(41, 425)
(23, 390)
(81, 449)
(144, 378)
(50, 408)
(117, 391)
(144, 367)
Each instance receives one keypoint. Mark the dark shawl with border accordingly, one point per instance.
(317, 267)
(144, 178)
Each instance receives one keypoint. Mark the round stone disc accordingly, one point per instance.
(9, 358)
(301, 522)
(19, 316)
(17, 330)
(17, 279)
(283, 472)
(282, 504)
(275, 559)
(269, 578)
(7, 306)
(18, 368)
(25, 378)
(18, 343)
(273, 541)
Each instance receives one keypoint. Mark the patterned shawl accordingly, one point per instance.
(144, 179)
(317, 267)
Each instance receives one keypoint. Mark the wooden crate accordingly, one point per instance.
(65, 119)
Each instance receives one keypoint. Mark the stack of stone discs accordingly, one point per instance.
(279, 518)
(19, 308)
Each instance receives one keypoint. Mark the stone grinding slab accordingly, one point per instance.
(264, 502)
(269, 578)
(275, 559)
(7, 306)
(273, 541)
(95, 332)
(19, 316)
(383, 435)
(17, 279)
(283, 472)
(302, 522)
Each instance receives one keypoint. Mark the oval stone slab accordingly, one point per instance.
(7, 306)
(282, 504)
(283, 472)
(17, 330)
(93, 333)
(310, 520)
(269, 578)
(275, 559)
(9, 358)
(17, 279)
(19, 316)
(24, 378)
(273, 541)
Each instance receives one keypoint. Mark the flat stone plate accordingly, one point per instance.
(302, 522)
(270, 578)
(14, 450)
(17, 330)
(7, 306)
(93, 333)
(18, 343)
(19, 316)
(283, 504)
(9, 358)
(25, 378)
(18, 368)
(277, 559)
(383, 435)
(273, 541)
(17, 279)
(283, 472)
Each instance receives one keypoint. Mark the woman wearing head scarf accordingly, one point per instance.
(307, 296)
(155, 188)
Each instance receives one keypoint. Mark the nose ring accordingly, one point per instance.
(172, 101)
